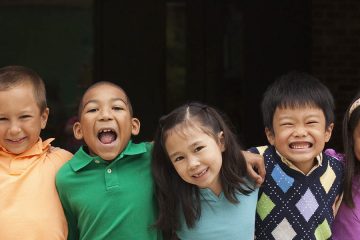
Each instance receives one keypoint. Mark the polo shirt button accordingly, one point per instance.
(109, 170)
(97, 161)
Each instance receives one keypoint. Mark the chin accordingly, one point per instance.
(108, 156)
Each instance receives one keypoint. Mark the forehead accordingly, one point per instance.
(300, 110)
(187, 129)
(18, 97)
(104, 92)
(21, 88)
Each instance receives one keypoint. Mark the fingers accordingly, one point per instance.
(254, 175)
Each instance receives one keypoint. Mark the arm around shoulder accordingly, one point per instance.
(255, 166)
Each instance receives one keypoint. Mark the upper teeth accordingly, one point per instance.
(106, 130)
(200, 174)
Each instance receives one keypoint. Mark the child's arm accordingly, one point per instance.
(255, 166)
(72, 226)
(73, 232)
(337, 204)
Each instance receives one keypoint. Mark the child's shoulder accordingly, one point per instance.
(140, 147)
(260, 149)
(59, 154)
(334, 161)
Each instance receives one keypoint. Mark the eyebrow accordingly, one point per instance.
(113, 100)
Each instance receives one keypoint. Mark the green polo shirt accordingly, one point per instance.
(109, 200)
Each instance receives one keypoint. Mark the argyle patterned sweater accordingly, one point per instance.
(292, 205)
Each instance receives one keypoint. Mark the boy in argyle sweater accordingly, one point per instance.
(302, 185)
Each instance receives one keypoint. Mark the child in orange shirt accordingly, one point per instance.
(29, 203)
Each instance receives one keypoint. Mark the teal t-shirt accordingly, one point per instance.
(221, 219)
(109, 200)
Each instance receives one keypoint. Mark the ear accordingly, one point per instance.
(328, 132)
(44, 117)
(270, 136)
(135, 126)
(78, 134)
(221, 141)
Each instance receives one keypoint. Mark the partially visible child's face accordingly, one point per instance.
(196, 156)
(299, 135)
(20, 119)
(356, 137)
(106, 124)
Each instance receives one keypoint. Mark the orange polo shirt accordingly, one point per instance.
(30, 208)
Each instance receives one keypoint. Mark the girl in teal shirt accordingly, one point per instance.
(201, 180)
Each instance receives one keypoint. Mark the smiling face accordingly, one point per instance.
(106, 123)
(299, 134)
(20, 118)
(196, 156)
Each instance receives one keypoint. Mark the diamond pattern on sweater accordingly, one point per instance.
(323, 231)
(284, 231)
(264, 206)
(281, 178)
(327, 179)
(307, 205)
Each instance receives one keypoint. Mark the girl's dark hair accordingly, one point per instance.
(173, 193)
(296, 89)
(352, 165)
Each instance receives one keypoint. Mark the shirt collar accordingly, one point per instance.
(81, 158)
(37, 149)
(319, 159)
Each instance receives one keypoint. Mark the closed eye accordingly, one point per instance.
(286, 124)
(3, 119)
(118, 108)
(25, 116)
(91, 110)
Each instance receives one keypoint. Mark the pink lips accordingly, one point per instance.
(16, 140)
(200, 174)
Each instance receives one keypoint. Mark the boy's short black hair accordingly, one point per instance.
(293, 90)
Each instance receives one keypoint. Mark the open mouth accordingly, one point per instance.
(200, 173)
(107, 136)
(301, 145)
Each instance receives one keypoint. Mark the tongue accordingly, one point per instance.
(107, 137)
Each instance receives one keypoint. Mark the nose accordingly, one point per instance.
(15, 128)
(193, 162)
(300, 131)
(105, 114)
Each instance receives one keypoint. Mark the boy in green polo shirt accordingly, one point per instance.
(107, 189)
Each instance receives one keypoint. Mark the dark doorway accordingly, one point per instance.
(223, 53)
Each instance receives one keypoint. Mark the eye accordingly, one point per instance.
(25, 116)
(286, 124)
(118, 108)
(91, 110)
(3, 119)
(312, 122)
(198, 148)
(179, 158)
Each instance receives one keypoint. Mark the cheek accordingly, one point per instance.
(180, 169)
(357, 149)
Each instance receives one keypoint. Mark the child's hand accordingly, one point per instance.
(255, 166)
